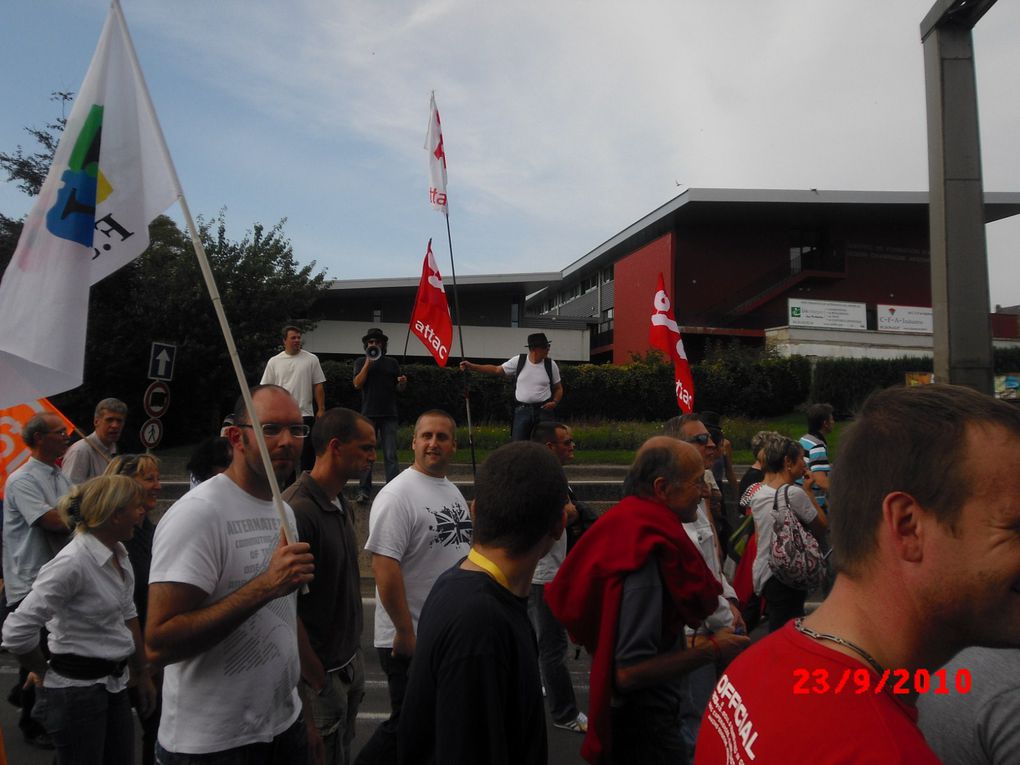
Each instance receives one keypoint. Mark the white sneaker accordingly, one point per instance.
(579, 724)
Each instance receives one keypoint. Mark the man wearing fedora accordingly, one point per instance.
(538, 388)
(378, 378)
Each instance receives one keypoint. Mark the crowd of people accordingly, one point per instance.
(233, 626)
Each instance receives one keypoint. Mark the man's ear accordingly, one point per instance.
(660, 487)
(903, 525)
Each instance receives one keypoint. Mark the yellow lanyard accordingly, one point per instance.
(491, 568)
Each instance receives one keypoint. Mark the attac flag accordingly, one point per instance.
(664, 334)
(111, 175)
(13, 451)
(437, 159)
(430, 319)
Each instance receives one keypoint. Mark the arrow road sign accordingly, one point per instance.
(161, 361)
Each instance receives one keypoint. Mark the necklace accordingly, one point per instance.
(799, 626)
(488, 566)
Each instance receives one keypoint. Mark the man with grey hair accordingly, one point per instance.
(90, 456)
(33, 531)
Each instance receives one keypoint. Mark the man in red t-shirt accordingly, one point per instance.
(925, 537)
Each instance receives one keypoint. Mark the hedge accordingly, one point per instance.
(642, 390)
(732, 381)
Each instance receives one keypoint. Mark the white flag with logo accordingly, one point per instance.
(437, 159)
(111, 175)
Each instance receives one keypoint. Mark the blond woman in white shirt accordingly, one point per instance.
(83, 597)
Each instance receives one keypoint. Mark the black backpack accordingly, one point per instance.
(521, 360)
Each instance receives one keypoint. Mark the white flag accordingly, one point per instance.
(111, 175)
(437, 159)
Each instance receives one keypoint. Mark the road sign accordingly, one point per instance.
(151, 433)
(157, 399)
(161, 361)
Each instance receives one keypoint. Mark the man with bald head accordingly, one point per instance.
(222, 611)
(625, 591)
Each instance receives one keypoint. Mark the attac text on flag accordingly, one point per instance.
(430, 319)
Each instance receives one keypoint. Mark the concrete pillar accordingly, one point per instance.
(959, 260)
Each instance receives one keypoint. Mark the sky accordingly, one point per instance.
(564, 121)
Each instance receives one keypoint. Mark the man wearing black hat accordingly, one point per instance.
(538, 388)
(378, 378)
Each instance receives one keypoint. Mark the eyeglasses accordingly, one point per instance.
(274, 429)
(569, 442)
(701, 438)
(62, 432)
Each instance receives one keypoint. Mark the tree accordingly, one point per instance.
(29, 170)
(161, 297)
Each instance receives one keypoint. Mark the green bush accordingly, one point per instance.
(845, 383)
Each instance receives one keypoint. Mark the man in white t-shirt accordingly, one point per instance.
(299, 372)
(419, 527)
(223, 603)
(537, 390)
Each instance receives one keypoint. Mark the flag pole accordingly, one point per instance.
(210, 283)
(460, 334)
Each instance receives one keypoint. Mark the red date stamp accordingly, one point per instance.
(895, 681)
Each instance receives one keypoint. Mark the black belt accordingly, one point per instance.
(533, 406)
(86, 667)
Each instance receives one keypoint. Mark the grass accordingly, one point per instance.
(598, 443)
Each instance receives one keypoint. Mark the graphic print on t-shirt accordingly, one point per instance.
(452, 526)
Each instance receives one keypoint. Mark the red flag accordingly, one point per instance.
(13, 451)
(437, 160)
(665, 335)
(430, 319)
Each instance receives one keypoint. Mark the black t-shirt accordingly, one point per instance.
(379, 393)
(474, 693)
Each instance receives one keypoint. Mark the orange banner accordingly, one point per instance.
(13, 452)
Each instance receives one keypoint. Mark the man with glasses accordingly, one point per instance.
(89, 457)
(697, 685)
(33, 531)
(222, 604)
(552, 638)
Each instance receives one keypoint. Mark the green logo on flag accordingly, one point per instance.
(73, 215)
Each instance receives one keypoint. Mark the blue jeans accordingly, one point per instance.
(552, 649)
(288, 748)
(386, 442)
(381, 749)
(526, 417)
(88, 724)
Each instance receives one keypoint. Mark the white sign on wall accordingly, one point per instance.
(903, 318)
(829, 314)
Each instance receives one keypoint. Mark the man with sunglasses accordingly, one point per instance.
(33, 531)
(698, 684)
(222, 603)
